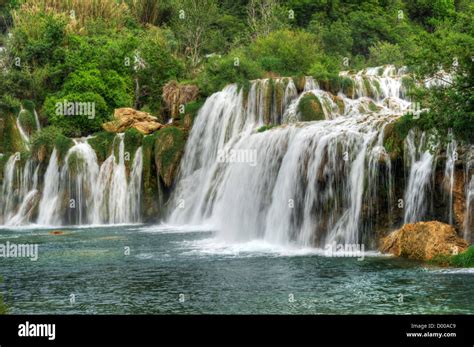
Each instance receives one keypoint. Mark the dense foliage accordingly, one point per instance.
(117, 53)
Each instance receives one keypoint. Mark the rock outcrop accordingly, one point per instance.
(423, 241)
(169, 148)
(126, 118)
(175, 94)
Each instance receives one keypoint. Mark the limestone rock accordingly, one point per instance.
(125, 118)
(423, 241)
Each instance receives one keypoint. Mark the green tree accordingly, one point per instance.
(193, 24)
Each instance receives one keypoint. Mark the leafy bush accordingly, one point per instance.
(159, 65)
(78, 124)
(219, 72)
(464, 259)
(383, 53)
(107, 83)
(44, 141)
(285, 52)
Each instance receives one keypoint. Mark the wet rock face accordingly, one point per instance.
(126, 118)
(423, 241)
(175, 94)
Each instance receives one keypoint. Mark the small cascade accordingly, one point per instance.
(50, 203)
(469, 193)
(23, 133)
(420, 162)
(8, 187)
(75, 190)
(19, 184)
(448, 182)
(37, 122)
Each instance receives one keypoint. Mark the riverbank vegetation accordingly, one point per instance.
(120, 53)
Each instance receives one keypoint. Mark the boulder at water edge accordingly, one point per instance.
(126, 118)
(423, 241)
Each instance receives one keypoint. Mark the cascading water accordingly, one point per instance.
(300, 182)
(75, 190)
(420, 164)
(451, 155)
(307, 184)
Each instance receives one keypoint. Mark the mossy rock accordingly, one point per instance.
(10, 141)
(368, 88)
(151, 189)
(102, 143)
(299, 82)
(395, 134)
(27, 121)
(310, 108)
(169, 148)
(191, 111)
(268, 101)
(265, 128)
(44, 141)
(132, 140)
(75, 163)
(348, 85)
(340, 104)
(392, 142)
(373, 107)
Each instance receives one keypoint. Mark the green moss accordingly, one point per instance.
(299, 82)
(169, 147)
(151, 196)
(408, 83)
(44, 141)
(310, 108)
(395, 134)
(368, 87)
(102, 143)
(191, 111)
(347, 85)
(11, 141)
(335, 84)
(279, 94)
(265, 128)
(268, 101)
(464, 259)
(373, 107)
(133, 140)
(27, 121)
(75, 163)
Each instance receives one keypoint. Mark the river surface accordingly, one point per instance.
(137, 269)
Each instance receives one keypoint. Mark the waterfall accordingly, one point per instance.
(134, 195)
(8, 187)
(307, 181)
(448, 181)
(23, 133)
(469, 193)
(50, 198)
(76, 190)
(420, 166)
